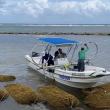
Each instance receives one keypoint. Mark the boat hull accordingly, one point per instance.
(76, 82)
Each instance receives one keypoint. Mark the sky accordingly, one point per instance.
(55, 11)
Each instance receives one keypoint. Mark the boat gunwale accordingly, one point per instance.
(78, 77)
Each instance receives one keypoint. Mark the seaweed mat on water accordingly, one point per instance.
(104, 88)
(98, 97)
(3, 95)
(57, 97)
(23, 94)
(101, 100)
(4, 78)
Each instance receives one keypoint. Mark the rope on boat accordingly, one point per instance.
(67, 65)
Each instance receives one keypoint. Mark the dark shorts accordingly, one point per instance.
(81, 65)
(43, 57)
(50, 62)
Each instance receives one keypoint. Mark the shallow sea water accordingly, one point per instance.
(12, 62)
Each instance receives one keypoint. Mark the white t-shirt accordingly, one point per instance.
(43, 53)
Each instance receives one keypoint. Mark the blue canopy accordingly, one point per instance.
(58, 41)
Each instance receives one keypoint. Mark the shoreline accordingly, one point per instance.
(55, 33)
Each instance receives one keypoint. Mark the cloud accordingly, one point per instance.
(2, 10)
(49, 11)
(2, 1)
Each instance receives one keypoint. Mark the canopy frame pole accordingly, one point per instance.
(73, 52)
(70, 49)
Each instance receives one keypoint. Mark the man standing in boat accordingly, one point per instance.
(82, 54)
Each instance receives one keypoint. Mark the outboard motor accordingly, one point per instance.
(34, 54)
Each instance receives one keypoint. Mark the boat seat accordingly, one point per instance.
(62, 61)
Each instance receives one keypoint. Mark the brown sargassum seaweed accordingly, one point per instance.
(101, 100)
(104, 88)
(23, 94)
(57, 97)
(3, 95)
(4, 78)
(98, 97)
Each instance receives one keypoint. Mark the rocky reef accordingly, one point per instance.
(56, 33)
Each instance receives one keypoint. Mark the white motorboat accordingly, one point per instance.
(63, 70)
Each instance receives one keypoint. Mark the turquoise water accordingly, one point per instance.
(12, 62)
